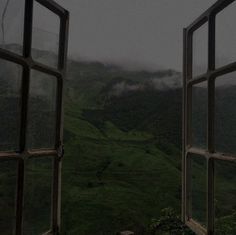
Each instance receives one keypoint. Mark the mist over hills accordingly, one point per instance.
(122, 144)
(131, 100)
(115, 101)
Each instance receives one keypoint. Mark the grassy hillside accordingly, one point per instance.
(116, 161)
(113, 180)
(123, 136)
(123, 152)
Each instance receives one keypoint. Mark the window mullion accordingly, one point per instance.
(211, 126)
(24, 109)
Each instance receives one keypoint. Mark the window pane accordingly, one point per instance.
(225, 197)
(42, 111)
(45, 38)
(200, 50)
(12, 22)
(199, 115)
(10, 86)
(8, 177)
(226, 36)
(198, 188)
(225, 121)
(37, 197)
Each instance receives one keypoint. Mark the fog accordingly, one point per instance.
(131, 33)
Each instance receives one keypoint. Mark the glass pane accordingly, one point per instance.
(225, 134)
(37, 197)
(8, 178)
(199, 115)
(226, 36)
(12, 25)
(45, 38)
(200, 50)
(225, 198)
(198, 188)
(42, 111)
(10, 86)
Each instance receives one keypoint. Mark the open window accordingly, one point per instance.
(31, 122)
(208, 121)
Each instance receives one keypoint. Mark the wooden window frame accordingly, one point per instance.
(208, 17)
(28, 63)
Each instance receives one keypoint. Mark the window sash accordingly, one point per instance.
(208, 17)
(56, 153)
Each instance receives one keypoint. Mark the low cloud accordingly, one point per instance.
(164, 83)
(169, 82)
(123, 87)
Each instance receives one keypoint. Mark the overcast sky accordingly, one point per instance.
(135, 32)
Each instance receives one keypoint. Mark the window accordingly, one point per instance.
(31, 145)
(208, 149)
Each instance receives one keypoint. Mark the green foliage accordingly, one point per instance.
(169, 223)
(226, 225)
(113, 173)
(123, 156)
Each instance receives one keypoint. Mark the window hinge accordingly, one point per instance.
(60, 151)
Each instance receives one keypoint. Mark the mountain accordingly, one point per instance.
(116, 159)
(130, 100)
(122, 135)
(121, 116)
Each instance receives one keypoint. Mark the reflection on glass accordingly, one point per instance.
(37, 196)
(198, 188)
(225, 197)
(200, 50)
(226, 36)
(45, 38)
(225, 134)
(199, 115)
(8, 174)
(42, 111)
(10, 86)
(12, 25)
